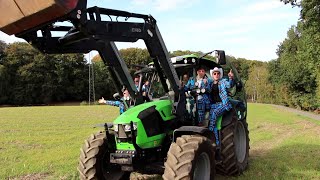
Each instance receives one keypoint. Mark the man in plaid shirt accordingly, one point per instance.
(218, 97)
(200, 82)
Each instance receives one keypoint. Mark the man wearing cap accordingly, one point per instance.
(201, 82)
(218, 97)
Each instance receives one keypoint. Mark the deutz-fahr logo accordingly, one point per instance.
(136, 30)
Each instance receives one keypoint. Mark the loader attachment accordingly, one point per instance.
(20, 15)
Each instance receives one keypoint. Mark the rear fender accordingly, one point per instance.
(192, 130)
(228, 117)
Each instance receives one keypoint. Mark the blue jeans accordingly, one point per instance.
(203, 104)
(216, 110)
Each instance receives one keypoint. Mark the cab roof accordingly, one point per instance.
(194, 59)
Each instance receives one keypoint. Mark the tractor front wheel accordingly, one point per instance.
(95, 157)
(190, 157)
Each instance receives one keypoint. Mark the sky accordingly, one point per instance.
(250, 29)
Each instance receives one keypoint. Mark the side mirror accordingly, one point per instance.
(239, 86)
(220, 57)
(116, 96)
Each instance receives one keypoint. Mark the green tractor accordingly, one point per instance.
(150, 137)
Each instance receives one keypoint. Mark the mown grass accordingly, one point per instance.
(283, 145)
(44, 141)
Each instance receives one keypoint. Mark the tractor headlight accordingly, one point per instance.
(196, 84)
(127, 127)
(198, 91)
(203, 90)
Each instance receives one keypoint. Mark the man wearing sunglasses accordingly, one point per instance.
(219, 97)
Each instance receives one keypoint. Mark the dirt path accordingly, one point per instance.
(299, 112)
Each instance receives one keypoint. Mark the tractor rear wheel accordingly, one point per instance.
(95, 157)
(234, 148)
(190, 157)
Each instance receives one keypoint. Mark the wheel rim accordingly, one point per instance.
(202, 167)
(240, 143)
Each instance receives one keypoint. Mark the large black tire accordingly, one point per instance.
(94, 158)
(191, 157)
(234, 148)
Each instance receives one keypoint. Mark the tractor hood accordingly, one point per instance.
(134, 114)
(149, 120)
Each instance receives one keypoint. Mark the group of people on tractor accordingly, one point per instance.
(212, 95)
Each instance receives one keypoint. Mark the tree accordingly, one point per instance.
(258, 86)
(72, 77)
(292, 2)
(3, 46)
(299, 58)
(30, 77)
(104, 86)
(181, 53)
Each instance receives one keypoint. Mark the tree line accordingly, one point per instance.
(293, 79)
(28, 77)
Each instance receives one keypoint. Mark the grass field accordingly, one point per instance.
(44, 142)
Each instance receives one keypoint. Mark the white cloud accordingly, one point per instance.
(264, 6)
(163, 5)
(139, 44)
(239, 22)
(9, 39)
(141, 2)
(247, 35)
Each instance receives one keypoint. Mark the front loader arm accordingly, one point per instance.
(89, 32)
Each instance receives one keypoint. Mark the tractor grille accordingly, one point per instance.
(123, 136)
(121, 132)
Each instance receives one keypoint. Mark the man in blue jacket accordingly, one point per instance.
(119, 103)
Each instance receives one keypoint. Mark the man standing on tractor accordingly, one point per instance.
(219, 98)
(136, 81)
(201, 82)
(119, 103)
(145, 91)
(189, 97)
